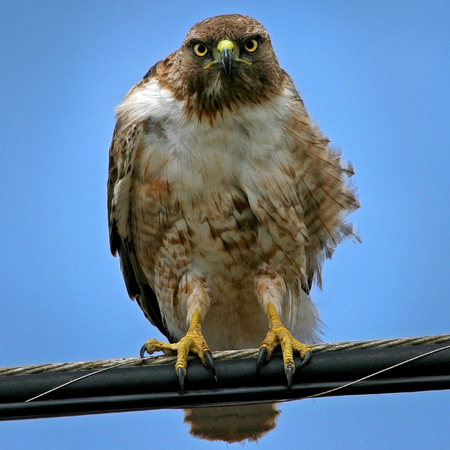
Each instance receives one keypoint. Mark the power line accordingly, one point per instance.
(152, 383)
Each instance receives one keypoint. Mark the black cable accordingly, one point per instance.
(156, 387)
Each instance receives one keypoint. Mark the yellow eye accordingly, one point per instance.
(251, 45)
(200, 49)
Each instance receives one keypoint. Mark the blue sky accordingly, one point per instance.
(375, 76)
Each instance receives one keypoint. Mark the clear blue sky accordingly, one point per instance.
(375, 76)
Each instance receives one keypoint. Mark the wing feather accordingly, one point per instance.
(124, 144)
(302, 192)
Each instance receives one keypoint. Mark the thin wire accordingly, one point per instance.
(78, 379)
(376, 373)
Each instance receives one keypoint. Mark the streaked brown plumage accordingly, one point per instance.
(223, 199)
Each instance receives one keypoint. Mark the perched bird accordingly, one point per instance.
(223, 200)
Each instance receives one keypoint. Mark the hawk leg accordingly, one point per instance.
(279, 335)
(270, 289)
(193, 342)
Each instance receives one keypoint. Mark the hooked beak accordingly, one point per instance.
(226, 57)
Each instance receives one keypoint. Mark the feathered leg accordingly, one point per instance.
(196, 291)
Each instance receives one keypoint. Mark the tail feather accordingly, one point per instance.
(232, 423)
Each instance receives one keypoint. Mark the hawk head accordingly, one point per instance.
(223, 62)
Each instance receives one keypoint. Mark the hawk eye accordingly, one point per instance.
(251, 45)
(200, 49)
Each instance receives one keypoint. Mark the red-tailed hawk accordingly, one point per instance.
(223, 200)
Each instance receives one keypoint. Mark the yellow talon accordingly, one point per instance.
(279, 335)
(193, 342)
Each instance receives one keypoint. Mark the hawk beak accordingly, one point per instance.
(226, 57)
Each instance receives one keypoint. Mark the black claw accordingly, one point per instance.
(289, 373)
(181, 374)
(143, 350)
(306, 358)
(210, 360)
(261, 356)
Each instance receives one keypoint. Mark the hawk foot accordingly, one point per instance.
(279, 335)
(193, 342)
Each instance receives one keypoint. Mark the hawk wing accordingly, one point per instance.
(125, 142)
(305, 193)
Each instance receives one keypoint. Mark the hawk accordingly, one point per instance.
(224, 198)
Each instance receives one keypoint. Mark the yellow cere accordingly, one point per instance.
(225, 44)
